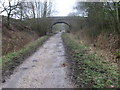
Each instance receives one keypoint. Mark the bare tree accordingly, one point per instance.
(9, 8)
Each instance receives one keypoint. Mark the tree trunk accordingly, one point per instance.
(8, 20)
(21, 12)
(117, 17)
(45, 9)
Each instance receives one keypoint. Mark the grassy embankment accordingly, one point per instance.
(13, 59)
(87, 69)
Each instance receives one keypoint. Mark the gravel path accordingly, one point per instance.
(46, 68)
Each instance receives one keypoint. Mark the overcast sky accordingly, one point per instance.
(64, 7)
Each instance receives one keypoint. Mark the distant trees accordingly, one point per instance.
(103, 15)
(40, 10)
(29, 12)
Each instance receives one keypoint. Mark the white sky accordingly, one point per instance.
(62, 7)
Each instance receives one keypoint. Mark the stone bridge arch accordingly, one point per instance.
(58, 22)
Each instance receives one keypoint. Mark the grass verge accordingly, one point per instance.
(13, 59)
(89, 70)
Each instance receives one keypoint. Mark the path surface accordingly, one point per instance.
(44, 69)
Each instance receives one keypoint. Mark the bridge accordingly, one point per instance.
(49, 22)
(69, 20)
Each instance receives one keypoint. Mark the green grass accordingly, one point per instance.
(9, 59)
(92, 71)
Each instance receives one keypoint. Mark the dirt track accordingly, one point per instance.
(46, 68)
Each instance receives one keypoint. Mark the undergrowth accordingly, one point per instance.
(88, 69)
(14, 58)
